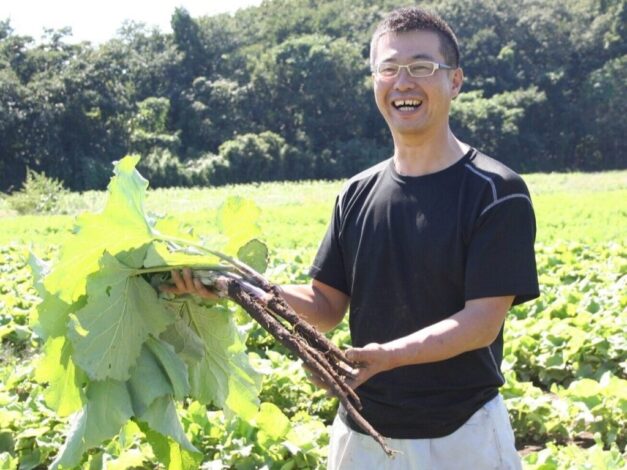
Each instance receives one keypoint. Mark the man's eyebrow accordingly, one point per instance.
(423, 56)
(419, 56)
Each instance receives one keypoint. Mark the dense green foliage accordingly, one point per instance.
(565, 356)
(282, 91)
(115, 350)
(39, 194)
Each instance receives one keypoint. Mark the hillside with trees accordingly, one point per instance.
(283, 92)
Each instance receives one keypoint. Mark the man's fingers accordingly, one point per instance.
(356, 356)
(201, 290)
(315, 378)
(365, 357)
(318, 382)
(168, 288)
(178, 282)
(185, 283)
(187, 278)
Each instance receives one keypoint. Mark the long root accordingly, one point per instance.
(264, 304)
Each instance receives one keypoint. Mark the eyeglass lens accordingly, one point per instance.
(417, 69)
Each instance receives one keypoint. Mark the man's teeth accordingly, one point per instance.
(406, 105)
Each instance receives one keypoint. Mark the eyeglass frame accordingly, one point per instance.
(436, 66)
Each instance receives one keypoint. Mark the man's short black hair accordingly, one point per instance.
(407, 19)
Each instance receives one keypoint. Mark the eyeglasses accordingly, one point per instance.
(423, 68)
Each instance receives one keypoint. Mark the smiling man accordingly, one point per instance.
(429, 248)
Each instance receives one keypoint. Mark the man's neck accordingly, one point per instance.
(421, 156)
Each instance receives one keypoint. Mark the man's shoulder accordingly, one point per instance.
(373, 172)
(364, 178)
(502, 180)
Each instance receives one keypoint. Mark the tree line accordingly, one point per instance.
(283, 91)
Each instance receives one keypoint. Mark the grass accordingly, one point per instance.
(588, 208)
(546, 183)
(589, 217)
(582, 208)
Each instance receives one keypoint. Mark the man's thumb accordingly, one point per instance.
(353, 354)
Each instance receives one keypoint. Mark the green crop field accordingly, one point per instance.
(565, 355)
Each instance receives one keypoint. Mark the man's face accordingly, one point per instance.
(414, 106)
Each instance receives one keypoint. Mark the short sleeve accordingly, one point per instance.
(501, 257)
(328, 266)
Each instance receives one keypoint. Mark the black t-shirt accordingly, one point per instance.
(410, 251)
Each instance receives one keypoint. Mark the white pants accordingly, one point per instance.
(484, 442)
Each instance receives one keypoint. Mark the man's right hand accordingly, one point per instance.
(316, 380)
(185, 283)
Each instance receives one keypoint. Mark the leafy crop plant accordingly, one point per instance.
(117, 350)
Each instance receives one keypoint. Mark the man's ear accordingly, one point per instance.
(457, 81)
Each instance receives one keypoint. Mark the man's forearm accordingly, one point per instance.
(474, 327)
(312, 306)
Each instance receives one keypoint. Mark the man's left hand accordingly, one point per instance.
(370, 360)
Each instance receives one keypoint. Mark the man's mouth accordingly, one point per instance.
(406, 105)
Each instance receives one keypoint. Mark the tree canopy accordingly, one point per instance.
(283, 91)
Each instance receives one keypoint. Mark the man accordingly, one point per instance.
(430, 248)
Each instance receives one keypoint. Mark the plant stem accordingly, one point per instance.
(162, 269)
(254, 307)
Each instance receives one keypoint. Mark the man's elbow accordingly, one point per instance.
(330, 306)
(329, 322)
(488, 335)
(488, 317)
(487, 339)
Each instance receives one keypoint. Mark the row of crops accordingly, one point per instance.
(565, 364)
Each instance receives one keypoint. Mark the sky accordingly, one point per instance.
(98, 21)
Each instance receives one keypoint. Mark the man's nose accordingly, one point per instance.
(404, 80)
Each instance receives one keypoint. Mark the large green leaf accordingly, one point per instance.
(161, 416)
(121, 226)
(159, 254)
(122, 310)
(40, 270)
(272, 421)
(52, 313)
(133, 258)
(183, 338)
(108, 408)
(254, 254)
(64, 393)
(224, 376)
(148, 382)
(238, 220)
(7, 461)
(174, 367)
(130, 458)
(170, 453)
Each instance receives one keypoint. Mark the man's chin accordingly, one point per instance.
(407, 128)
